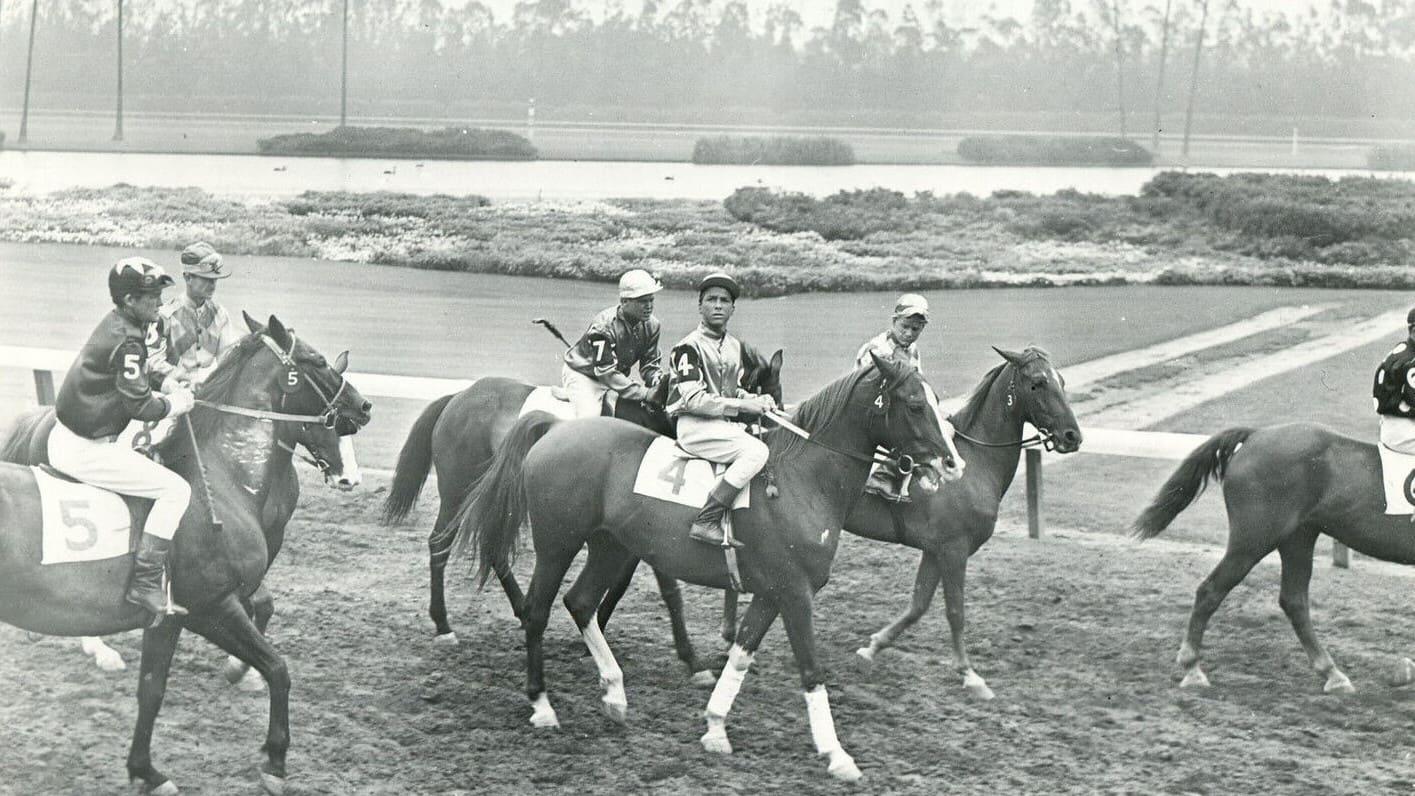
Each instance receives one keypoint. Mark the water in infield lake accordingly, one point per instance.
(254, 175)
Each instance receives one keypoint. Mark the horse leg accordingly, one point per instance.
(104, 656)
(1296, 553)
(672, 594)
(760, 614)
(1231, 570)
(796, 610)
(158, 645)
(954, 566)
(729, 616)
(925, 584)
(535, 613)
(260, 607)
(603, 568)
(438, 549)
(618, 589)
(227, 626)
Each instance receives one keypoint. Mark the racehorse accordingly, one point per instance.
(1283, 486)
(459, 434)
(951, 524)
(225, 448)
(333, 454)
(574, 481)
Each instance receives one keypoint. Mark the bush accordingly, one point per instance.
(775, 151)
(451, 143)
(1040, 150)
(848, 215)
(1392, 157)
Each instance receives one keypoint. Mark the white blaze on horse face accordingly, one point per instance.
(350, 477)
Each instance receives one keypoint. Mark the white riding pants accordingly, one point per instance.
(724, 442)
(1398, 433)
(118, 468)
(586, 394)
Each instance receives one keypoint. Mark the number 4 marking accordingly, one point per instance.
(675, 474)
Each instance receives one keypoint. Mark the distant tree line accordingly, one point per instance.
(1355, 59)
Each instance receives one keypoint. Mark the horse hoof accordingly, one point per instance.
(979, 690)
(545, 719)
(234, 670)
(716, 744)
(273, 785)
(843, 768)
(448, 639)
(109, 661)
(704, 679)
(251, 682)
(615, 712)
(1194, 678)
(865, 659)
(1339, 684)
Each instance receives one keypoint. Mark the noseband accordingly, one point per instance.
(1043, 438)
(328, 418)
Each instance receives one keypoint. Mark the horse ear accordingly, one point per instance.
(1011, 356)
(776, 362)
(251, 323)
(341, 362)
(887, 368)
(277, 331)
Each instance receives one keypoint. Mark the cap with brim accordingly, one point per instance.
(1410, 318)
(720, 279)
(911, 305)
(200, 259)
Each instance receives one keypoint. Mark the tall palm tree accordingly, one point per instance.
(344, 72)
(118, 123)
(1194, 78)
(1159, 85)
(29, 67)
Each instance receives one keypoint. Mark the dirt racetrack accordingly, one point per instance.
(1075, 632)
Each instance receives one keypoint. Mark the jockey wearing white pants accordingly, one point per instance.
(108, 386)
(1394, 393)
(618, 338)
(706, 396)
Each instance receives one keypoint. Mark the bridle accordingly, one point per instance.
(329, 418)
(904, 463)
(1043, 438)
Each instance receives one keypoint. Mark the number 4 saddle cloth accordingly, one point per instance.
(668, 472)
(85, 523)
(1398, 475)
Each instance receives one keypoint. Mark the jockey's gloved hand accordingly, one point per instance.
(180, 402)
(765, 403)
(635, 392)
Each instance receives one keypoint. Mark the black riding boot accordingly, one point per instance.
(707, 528)
(147, 590)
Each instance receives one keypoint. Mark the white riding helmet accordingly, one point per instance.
(637, 284)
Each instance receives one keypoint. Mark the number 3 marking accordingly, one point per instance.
(75, 522)
(131, 369)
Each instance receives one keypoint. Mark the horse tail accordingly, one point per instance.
(1209, 460)
(414, 462)
(491, 515)
(17, 447)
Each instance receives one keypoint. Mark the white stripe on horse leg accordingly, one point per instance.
(723, 695)
(542, 714)
(842, 766)
(103, 655)
(351, 477)
(611, 677)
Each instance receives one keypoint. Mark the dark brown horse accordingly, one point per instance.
(220, 551)
(575, 484)
(1283, 487)
(458, 435)
(329, 451)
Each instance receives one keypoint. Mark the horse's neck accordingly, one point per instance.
(244, 452)
(995, 422)
(838, 478)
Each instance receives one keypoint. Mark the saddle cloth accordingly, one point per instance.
(554, 401)
(1398, 475)
(668, 472)
(81, 522)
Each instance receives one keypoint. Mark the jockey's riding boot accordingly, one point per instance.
(884, 482)
(707, 528)
(148, 587)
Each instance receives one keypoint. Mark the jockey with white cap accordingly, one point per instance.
(199, 330)
(618, 338)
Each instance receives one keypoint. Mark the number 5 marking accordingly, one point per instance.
(675, 474)
(131, 369)
(76, 522)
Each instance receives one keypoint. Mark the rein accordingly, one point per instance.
(313, 461)
(1042, 438)
(328, 419)
(904, 462)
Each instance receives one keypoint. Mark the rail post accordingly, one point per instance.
(1340, 555)
(1034, 493)
(44, 387)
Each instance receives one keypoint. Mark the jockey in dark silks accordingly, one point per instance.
(617, 339)
(1394, 393)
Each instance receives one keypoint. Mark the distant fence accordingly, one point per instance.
(1101, 441)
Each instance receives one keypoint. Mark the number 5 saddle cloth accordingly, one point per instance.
(83, 522)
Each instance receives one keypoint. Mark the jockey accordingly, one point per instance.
(198, 329)
(108, 386)
(1394, 393)
(900, 343)
(707, 400)
(617, 339)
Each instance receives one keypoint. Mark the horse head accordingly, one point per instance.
(297, 379)
(909, 424)
(761, 375)
(1037, 390)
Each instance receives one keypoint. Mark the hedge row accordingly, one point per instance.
(451, 143)
(774, 151)
(1040, 150)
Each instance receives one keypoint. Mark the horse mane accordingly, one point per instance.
(965, 417)
(221, 382)
(816, 414)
